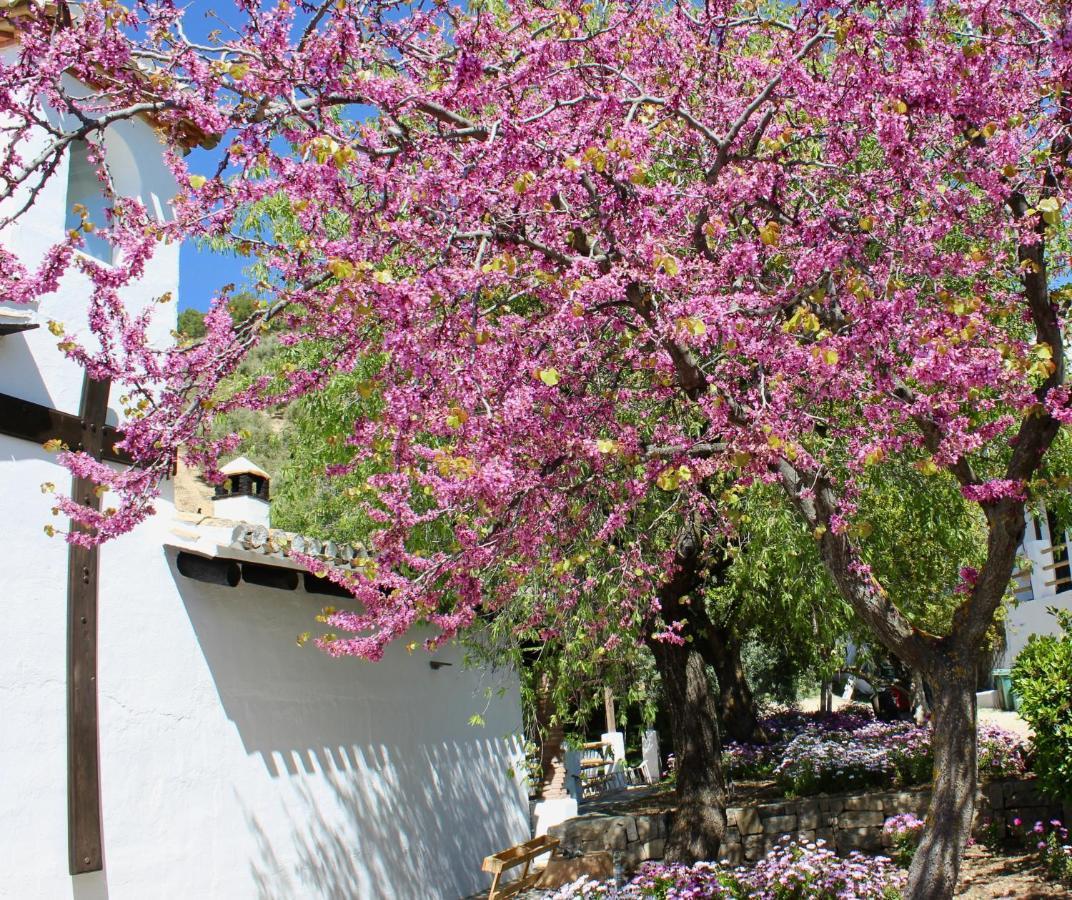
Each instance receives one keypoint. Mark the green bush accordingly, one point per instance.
(1042, 677)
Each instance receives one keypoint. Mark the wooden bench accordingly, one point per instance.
(520, 854)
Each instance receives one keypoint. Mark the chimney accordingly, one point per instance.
(243, 496)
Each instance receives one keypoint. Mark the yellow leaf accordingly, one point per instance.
(606, 445)
(238, 71)
(548, 376)
(874, 456)
(693, 325)
(819, 531)
(1009, 171)
(48, 487)
(341, 268)
(927, 466)
(50, 530)
(457, 417)
(899, 106)
(524, 182)
(303, 638)
(667, 264)
(54, 445)
(990, 129)
(638, 176)
(770, 233)
(383, 276)
(571, 163)
(866, 223)
(830, 357)
(197, 181)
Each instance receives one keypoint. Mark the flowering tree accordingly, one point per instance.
(602, 251)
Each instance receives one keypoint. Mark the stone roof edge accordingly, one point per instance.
(266, 546)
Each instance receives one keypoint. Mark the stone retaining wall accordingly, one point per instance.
(847, 822)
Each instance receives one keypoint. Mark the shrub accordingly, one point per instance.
(1042, 677)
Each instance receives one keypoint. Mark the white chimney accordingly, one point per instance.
(244, 495)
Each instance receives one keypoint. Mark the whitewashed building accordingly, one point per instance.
(1042, 582)
(163, 735)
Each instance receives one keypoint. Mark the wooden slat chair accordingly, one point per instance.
(521, 854)
(597, 767)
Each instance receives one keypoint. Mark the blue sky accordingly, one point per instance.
(203, 272)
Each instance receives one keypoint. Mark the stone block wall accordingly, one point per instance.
(846, 822)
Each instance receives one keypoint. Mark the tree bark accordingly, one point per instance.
(699, 824)
(936, 865)
(736, 704)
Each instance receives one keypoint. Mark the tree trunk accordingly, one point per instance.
(700, 821)
(737, 706)
(936, 865)
(552, 739)
(826, 697)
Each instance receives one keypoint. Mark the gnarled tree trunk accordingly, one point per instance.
(736, 705)
(700, 822)
(936, 864)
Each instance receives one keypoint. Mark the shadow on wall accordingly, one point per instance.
(388, 790)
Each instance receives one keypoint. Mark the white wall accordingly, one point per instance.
(1032, 617)
(30, 365)
(235, 763)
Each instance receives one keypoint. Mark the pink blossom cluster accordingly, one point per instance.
(605, 253)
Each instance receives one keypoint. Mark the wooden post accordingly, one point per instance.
(84, 831)
(608, 705)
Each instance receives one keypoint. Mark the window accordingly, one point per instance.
(84, 189)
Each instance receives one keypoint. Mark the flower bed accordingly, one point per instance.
(808, 871)
(846, 751)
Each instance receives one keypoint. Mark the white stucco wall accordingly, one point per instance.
(235, 763)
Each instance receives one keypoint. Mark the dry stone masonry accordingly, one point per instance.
(847, 822)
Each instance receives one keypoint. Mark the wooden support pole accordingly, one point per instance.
(608, 705)
(84, 830)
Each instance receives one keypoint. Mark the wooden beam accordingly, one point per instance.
(38, 423)
(84, 831)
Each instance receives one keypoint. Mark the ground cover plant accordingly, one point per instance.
(903, 832)
(602, 253)
(793, 871)
(1051, 844)
(847, 751)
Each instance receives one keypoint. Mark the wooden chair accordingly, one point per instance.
(525, 853)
